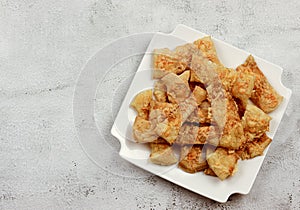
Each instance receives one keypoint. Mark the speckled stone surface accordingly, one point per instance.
(43, 47)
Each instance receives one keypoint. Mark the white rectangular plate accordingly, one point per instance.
(200, 183)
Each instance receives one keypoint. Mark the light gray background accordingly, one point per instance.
(43, 47)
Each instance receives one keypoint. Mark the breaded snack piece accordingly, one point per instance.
(162, 154)
(222, 163)
(202, 114)
(191, 159)
(209, 172)
(233, 133)
(264, 95)
(167, 120)
(179, 93)
(160, 91)
(185, 52)
(227, 76)
(141, 103)
(204, 48)
(255, 122)
(243, 87)
(165, 61)
(200, 94)
(143, 131)
(192, 134)
(177, 89)
(188, 135)
(207, 47)
(254, 148)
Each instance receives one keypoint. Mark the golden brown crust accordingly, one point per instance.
(233, 132)
(243, 88)
(264, 95)
(165, 61)
(255, 122)
(141, 103)
(179, 93)
(167, 118)
(162, 154)
(192, 134)
(191, 159)
(227, 76)
(207, 47)
(202, 114)
(254, 148)
(143, 130)
(222, 163)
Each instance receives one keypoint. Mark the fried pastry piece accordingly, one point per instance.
(243, 88)
(201, 115)
(254, 148)
(179, 93)
(164, 121)
(167, 120)
(203, 48)
(207, 47)
(177, 61)
(227, 76)
(204, 112)
(233, 133)
(185, 52)
(177, 89)
(188, 135)
(165, 61)
(222, 163)
(162, 154)
(191, 159)
(255, 122)
(141, 103)
(209, 172)
(264, 95)
(199, 94)
(160, 91)
(192, 134)
(143, 130)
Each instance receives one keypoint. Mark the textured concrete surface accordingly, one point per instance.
(43, 47)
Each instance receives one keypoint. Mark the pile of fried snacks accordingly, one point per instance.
(212, 114)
